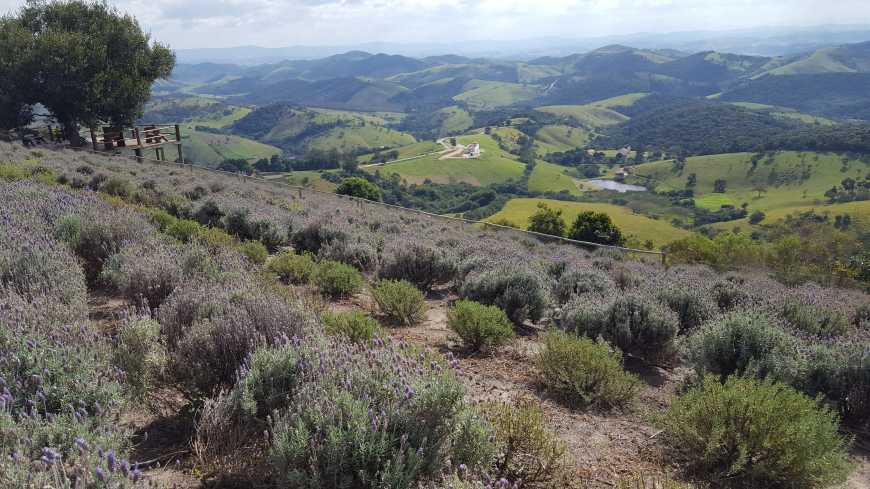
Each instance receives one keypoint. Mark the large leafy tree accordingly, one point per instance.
(547, 221)
(84, 61)
(596, 227)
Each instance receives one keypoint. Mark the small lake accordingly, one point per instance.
(617, 186)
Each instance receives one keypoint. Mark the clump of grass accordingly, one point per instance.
(584, 372)
(337, 280)
(751, 433)
(356, 326)
(292, 268)
(400, 302)
(528, 450)
(255, 251)
(479, 326)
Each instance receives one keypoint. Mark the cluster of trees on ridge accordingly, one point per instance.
(86, 62)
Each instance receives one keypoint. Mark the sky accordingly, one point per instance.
(278, 23)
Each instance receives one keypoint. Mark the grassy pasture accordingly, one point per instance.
(791, 179)
(493, 166)
(547, 177)
(586, 115)
(557, 138)
(211, 150)
(635, 226)
(482, 95)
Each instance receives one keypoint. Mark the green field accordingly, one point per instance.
(859, 212)
(558, 138)
(586, 115)
(411, 150)
(626, 100)
(310, 179)
(369, 136)
(791, 179)
(637, 227)
(484, 95)
(493, 166)
(211, 150)
(713, 201)
(453, 120)
(222, 118)
(547, 177)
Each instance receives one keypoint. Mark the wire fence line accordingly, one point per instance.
(300, 189)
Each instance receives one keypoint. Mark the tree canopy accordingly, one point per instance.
(596, 227)
(359, 187)
(85, 61)
(547, 221)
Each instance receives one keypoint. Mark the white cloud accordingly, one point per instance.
(206, 23)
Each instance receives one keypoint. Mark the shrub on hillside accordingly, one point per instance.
(359, 187)
(584, 372)
(239, 223)
(744, 343)
(117, 187)
(480, 327)
(184, 230)
(547, 221)
(209, 214)
(255, 251)
(140, 354)
(814, 319)
(337, 280)
(292, 268)
(596, 227)
(574, 282)
(145, 272)
(422, 265)
(315, 235)
(729, 294)
(527, 449)
(99, 239)
(342, 425)
(520, 293)
(356, 326)
(751, 433)
(842, 374)
(360, 255)
(633, 322)
(690, 302)
(210, 329)
(400, 302)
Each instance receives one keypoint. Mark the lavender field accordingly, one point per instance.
(301, 338)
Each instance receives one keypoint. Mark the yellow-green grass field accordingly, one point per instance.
(310, 179)
(211, 150)
(586, 115)
(558, 138)
(369, 136)
(483, 95)
(792, 179)
(453, 120)
(626, 100)
(222, 118)
(493, 166)
(859, 212)
(547, 177)
(409, 151)
(636, 227)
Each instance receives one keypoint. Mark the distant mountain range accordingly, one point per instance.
(766, 41)
(830, 81)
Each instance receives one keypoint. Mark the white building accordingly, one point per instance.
(472, 151)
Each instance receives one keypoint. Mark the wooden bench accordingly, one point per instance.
(153, 135)
(113, 137)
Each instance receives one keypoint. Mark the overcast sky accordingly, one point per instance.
(277, 23)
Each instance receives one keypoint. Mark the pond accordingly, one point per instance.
(617, 186)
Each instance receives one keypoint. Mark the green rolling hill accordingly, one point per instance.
(783, 182)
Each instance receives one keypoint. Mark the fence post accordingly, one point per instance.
(138, 149)
(178, 144)
(94, 138)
